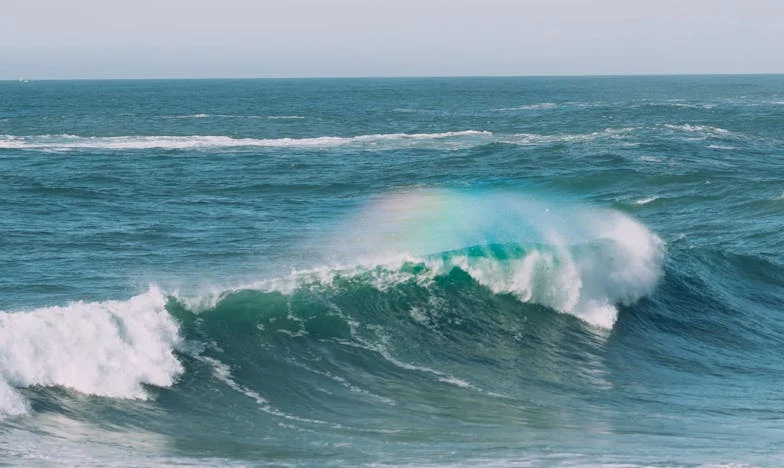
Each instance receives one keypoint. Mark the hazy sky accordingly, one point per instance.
(281, 38)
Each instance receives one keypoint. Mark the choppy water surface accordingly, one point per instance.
(502, 271)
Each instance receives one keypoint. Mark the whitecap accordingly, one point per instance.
(538, 106)
(109, 349)
(721, 147)
(533, 139)
(67, 142)
(705, 130)
(646, 200)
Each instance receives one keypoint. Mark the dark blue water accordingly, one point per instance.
(495, 271)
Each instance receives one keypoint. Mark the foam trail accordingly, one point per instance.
(440, 141)
(457, 139)
(106, 348)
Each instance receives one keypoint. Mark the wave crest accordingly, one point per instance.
(107, 349)
(575, 259)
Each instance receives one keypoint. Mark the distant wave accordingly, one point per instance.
(632, 105)
(234, 116)
(651, 159)
(697, 128)
(188, 116)
(450, 140)
(692, 106)
(538, 106)
(676, 104)
(721, 147)
(444, 141)
(457, 139)
(702, 130)
(526, 139)
(646, 200)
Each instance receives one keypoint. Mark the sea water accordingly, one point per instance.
(424, 272)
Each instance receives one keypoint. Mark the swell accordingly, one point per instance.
(393, 355)
(447, 140)
(439, 292)
(358, 331)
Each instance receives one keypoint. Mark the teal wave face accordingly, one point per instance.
(365, 358)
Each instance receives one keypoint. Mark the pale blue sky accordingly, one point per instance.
(276, 38)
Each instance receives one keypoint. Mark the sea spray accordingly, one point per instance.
(576, 259)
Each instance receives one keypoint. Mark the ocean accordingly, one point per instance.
(581, 271)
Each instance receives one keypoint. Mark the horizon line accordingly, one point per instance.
(391, 77)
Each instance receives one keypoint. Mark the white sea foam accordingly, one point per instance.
(444, 140)
(693, 106)
(538, 106)
(187, 116)
(646, 200)
(652, 159)
(11, 402)
(681, 105)
(704, 130)
(66, 142)
(721, 147)
(533, 139)
(107, 349)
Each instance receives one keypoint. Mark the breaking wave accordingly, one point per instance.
(417, 253)
(109, 349)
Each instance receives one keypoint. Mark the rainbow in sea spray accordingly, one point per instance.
(576, 259)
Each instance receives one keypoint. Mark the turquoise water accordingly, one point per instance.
(472, 271)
